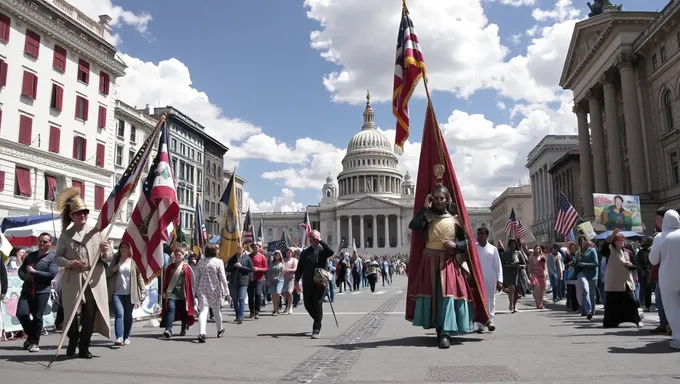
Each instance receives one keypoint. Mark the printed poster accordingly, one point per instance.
(617, 211)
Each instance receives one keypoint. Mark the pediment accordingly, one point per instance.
(586, 39)
(370, 202)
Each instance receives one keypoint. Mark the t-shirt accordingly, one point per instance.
(123, 278)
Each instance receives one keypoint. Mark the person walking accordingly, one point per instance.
(211, 288)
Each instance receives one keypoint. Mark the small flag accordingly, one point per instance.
(514, 225)
(200, 236)
(305, 230)
(247, 237)
(230, 241)
(566, 216)
(259, 230)
(5, 248)
(281, 244)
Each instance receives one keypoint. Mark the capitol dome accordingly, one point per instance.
(370, 165)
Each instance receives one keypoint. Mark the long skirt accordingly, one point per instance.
(620, 307)
(442, 295)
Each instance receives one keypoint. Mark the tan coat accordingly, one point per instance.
(618, 276)
(138, 290)
(72, 280)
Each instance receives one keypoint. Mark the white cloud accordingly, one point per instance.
(282, 203)
(564, 10)
(119, 16)
(518, 3)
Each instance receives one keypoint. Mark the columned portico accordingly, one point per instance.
(380, 229)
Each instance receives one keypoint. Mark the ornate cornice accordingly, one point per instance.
(128, 113)
(607, 79)
(626, 61)
(27, 153)
(29, 11)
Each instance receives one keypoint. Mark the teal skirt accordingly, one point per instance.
(452, 316)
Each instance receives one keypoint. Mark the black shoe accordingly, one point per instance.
(71, 350)
(85, 354)
(27, 344)
(444, 342)
(221, 333)
(183, 332)
(658, 330)
(589, 316)
(201, 338)
(492, 327)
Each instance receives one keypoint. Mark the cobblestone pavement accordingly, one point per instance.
(373, 344)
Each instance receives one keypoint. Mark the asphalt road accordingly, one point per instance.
(373, 344)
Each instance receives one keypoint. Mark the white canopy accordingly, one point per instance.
(35, 230)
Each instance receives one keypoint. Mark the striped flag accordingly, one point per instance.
(128, 182)
(305, 230)
(259, 229)
(409, 68)
(566, 216)
(281, 245)
(200, 236)
(520, 230)
(156, 210)
(514, 225)
(247, 235)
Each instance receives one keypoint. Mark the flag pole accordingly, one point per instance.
(81, 293)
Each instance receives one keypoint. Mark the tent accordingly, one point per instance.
(22, 221)
(626, 234)
(27, 236)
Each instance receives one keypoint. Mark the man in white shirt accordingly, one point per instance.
(492, 272)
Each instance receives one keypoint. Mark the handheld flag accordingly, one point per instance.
(200, 237)
(247, 237)
(305, 230)
(259, 230)
(566, 216)
(230, 241)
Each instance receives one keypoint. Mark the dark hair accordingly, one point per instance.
(618, 197)
(45, 234)
(483, 230)
(661, 211)
(210, 250)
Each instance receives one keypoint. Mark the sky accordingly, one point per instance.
(283, 82)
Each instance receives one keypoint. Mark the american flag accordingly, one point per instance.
(409, 68)
(247, 235)
(128, 182)
(200, 234)
(156, 209)
(305, 230)
(566, 216)
(515, 225)
(281, 244)
(259, 230)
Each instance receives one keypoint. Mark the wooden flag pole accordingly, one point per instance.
(84, 286)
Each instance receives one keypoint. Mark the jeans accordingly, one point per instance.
(554, 284)
(603, 293)
(32, 306)
(331, 290)
(663, 321)
(123, 307)
(588, 292)
(255, 296)
(170, 314)
(238, 297)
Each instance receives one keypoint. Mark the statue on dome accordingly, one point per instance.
(602, 6)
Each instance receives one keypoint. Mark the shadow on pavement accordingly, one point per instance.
(656, 347)
(156, 336)
(283, 335)
(39, 360)
(412, 341)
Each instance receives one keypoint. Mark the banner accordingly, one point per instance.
(617, 211)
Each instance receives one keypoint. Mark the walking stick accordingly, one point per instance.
(328, 295)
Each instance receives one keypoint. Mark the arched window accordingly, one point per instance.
(328, 193)
(668, 110)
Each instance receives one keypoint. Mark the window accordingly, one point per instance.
(101, 117)
(662, 53)
(199, 177)
(59, 59)
(80, 185)
(119, 155)
(183, 149)
(32, 45)
(57, 99)
(29, 86)
(173, 144)
(668, 110)
(174, 166)
(3, 73)
(214, 170)
(98, 197)
(121, 129)
(655, 62)
(55, 139)
(83, 71)
(100, 159)
(675, 168)
(50, 188)
(131, 154)
(104, 82)
(133, 134)
(79, 148)
(82, 108)
(25, 129)
(22, 183)
(130, 208)
(5, 27)
(200, 157)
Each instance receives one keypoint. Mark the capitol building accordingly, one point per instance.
(371, 204)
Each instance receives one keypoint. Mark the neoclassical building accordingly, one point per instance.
(623, 68)
(372, 202)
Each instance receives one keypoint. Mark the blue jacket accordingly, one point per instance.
(46, 269)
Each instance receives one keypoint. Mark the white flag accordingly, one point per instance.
(5, 247)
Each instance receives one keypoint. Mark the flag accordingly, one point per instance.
(409, 68)
(128, 182)
(566, 216)
(433, 152)
(520, 230)
(156, 210)
(200, 236)
(5, 248)
(281, 244)
(305, 230)
(230, 241)
(247, 229)
(511, 225)
(259, 230)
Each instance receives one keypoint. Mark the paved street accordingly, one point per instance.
(373, 344)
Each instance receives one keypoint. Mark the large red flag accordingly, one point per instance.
(433, 151)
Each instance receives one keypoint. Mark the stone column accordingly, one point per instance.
(539, 175)
(387, 231)
(586, 162)
(597, 133)
(350, 237)
(614, 151)
(399, 218)
(635, 143)
(375, 232)
(550, 204)
(361, 232)
(338, 232)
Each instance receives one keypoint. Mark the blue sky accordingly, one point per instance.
(255, 60)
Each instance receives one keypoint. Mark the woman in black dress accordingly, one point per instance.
(514, 262)
(570, 276)
(621, 305)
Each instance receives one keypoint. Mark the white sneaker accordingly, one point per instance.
(119, 342)
(640, 324)
(127, 342)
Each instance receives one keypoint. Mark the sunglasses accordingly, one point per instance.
(44, 241)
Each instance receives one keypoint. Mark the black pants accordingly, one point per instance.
(32, 306)
(82, 337)
(296, 298)
(356, 280)
(372, 279)
(255, 297)
(313, 294)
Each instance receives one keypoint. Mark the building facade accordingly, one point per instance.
(517, 198)
(370, 206)
(624, 71)
(132, 128)
(240, 204)
(566, 178)
(539, 161)
(58, 76)
(213, 186)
